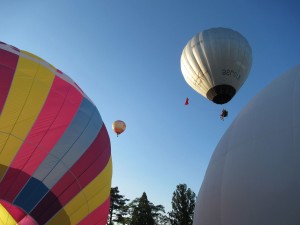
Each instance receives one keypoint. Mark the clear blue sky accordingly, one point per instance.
(125, 54)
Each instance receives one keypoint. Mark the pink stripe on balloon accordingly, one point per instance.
(60, 107)
(98, 216)
(27, 220)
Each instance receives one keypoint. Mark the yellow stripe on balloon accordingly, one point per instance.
(5, 217)
(30, 87)
(92, 196)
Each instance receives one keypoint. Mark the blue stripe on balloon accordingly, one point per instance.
(39, 191)
(78, 137)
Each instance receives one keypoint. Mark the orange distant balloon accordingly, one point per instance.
(118, 127)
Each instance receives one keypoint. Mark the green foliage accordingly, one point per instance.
(139, 206)
(118, 208)
(142, 212)
(183, 205)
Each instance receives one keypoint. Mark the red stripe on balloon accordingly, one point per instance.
(90, 164)
(60, 107)
(8, 66)
(98, 216)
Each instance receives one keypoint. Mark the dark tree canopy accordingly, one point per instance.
(183, 204)
(142, 212)
(118, 208)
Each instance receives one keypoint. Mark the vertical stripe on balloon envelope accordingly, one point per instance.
(77, 138)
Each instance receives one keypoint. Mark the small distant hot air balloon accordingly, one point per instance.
(118, 127)
(216, 63)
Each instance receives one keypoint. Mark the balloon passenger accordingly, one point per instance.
(224, 114)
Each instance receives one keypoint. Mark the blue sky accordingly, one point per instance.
(126, 56)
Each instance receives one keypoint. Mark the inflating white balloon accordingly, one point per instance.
(253, 177)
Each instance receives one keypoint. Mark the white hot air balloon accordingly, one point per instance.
(253, 177)
(216, 62)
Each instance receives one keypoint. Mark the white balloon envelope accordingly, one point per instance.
(253, 177)
(216, 62)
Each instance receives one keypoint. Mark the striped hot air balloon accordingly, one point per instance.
(55, 156)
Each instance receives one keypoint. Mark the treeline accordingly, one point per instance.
(141, 211)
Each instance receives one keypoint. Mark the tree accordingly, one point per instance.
(118, 208)
(158, 213)
(142, 212)
(183, 205)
